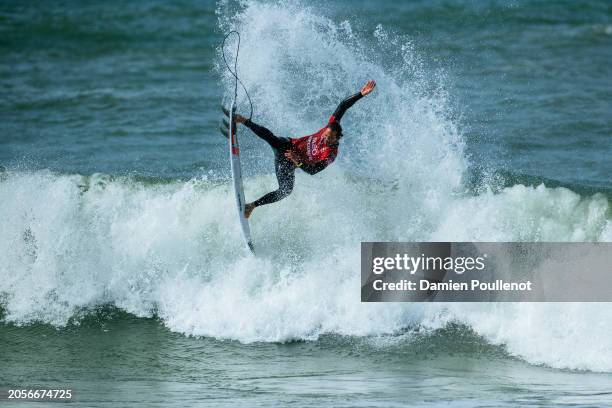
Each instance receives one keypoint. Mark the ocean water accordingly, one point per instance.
(122, 270)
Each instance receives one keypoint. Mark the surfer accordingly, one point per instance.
(311, 153)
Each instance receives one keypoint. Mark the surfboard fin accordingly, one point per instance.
(224, 131)
(225, 111)
(224, 127)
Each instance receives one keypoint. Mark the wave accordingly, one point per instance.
(173, 249)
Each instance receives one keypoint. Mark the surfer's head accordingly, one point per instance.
(333, 132)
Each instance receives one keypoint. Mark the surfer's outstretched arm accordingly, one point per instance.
(350, 101)
(344, 106)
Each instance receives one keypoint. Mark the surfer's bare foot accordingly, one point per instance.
(248, 209)
(239, 119)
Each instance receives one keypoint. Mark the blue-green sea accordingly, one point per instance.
(123, 274)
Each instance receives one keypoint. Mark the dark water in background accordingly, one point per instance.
(121, 277)
(130, 88)
(532, 80)
(109, 87)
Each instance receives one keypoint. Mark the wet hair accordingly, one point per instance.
(335, 126)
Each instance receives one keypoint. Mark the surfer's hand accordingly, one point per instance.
(239, 118)
(368, 87)
(292, 157)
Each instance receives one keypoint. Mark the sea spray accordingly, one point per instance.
(173, 249)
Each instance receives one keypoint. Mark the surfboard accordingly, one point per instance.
(234, 150)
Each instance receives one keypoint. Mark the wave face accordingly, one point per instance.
(174, 249)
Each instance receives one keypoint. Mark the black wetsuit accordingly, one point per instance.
(285, 169)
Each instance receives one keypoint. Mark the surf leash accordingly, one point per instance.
(234, 72)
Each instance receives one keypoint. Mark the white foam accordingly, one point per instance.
(560, 335)
(175, 249)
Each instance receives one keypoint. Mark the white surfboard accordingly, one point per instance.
(237, 177)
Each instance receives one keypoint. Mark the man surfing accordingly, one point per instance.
(311, 153)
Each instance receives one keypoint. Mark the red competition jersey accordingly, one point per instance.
(313, 149)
